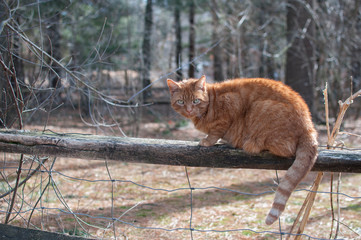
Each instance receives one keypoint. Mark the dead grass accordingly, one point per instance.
(212, 208)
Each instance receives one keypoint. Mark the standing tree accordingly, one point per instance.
(178, 33)
(11, 99)
(51, 20)
(146, 48)
(192, 36)
(301, 53)
(52, 25)
(4, 56)
(217, 50)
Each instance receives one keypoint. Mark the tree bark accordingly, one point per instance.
(165, 152)
(192, 37)
(18, 62)
(11, 101)
(301, 53)
(178, 34)
(146, 48)
(14, 232)
(217, 50)
(4, 97)
(54, 48)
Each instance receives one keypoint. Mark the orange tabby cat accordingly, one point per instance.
(254, 114)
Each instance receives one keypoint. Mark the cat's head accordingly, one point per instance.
(189, 97)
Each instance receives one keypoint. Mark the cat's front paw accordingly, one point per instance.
(205, 143)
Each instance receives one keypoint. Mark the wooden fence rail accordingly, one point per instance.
(158, 151)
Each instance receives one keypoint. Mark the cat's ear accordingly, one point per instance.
(173, 86)
(201, 83)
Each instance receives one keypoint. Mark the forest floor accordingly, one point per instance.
(156, 202)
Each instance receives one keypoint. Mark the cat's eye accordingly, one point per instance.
(196, 101)
(180, 102)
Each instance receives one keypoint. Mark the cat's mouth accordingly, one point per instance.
(192, 115)
(189, 114)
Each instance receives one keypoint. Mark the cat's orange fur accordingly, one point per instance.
(253, 114)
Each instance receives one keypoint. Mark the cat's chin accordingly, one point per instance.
(190, 116)
(187, 115)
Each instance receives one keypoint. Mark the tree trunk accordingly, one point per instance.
(54, 48)
(217, 50)
(146, 49)
(11, 101)
(356, 75)
(192, 37)
(18, 62)
(300, 55)
(178, 34)
(232, 59)
(4, 97)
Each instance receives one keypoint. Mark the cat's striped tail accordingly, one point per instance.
(306, 155)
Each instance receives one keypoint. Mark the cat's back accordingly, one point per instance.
(251, 90)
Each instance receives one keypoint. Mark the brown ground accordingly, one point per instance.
(135, 197)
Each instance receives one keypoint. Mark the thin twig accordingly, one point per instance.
(36, 203)
(26, 179)
(310, 202)
(331, 145)
(191, 203)
(325, 96)
(279, 219)
(343, 108)
(15, 189)
(297, 220)
(104, 97)
(331, 203)
(350, 134)
(338, 206)
(112, 207)
(341, 223)
(15, 99)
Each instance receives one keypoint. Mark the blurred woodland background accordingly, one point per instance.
(100, 67)
(97, 56)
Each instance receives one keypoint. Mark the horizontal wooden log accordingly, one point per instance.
(9, 232)
(159, 151)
